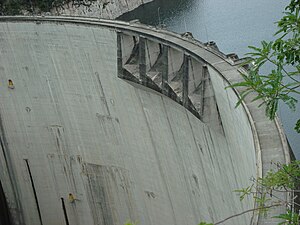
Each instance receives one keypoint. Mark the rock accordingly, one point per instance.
(107, 9)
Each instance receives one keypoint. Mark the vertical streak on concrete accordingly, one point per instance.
(185, 81)
(34, 191)
(119, 55)
(103, 97)
(142, 59)
(165, 69)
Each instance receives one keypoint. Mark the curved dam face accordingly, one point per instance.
(102, 122)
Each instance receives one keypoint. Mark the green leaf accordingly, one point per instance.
(244, 192)
(289, 218)
(297, 127)
(243, 96)
(204, 223)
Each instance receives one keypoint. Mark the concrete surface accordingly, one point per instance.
(80, 145)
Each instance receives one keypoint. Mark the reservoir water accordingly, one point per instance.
(232, 24)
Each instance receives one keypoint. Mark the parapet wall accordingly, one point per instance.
(110, 121)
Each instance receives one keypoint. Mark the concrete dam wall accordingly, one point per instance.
(102, 122)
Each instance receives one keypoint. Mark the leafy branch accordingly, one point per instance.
(242, 213)
(284, 179)
(281, 57)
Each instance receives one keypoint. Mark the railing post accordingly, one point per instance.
(165, 69)
(142, 59)
(119, 55)
(185, 81)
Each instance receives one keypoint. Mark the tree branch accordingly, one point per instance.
(247, 211)
(276, 64)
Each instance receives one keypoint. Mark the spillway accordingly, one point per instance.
(103, 122)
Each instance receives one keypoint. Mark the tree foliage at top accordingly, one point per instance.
(15, 7)
(266, 193)
(282, 81)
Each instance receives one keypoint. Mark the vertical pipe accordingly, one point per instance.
(165, 69)
(119, 55)
(65, 211)
(142, 59)
(34, 191)
(185, 81)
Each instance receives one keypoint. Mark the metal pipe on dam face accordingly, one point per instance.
(102, 122)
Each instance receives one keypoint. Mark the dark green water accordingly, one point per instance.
(232, 24)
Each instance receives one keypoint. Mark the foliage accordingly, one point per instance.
(15, 7)
(282, 82)
(289, 218)
(297, 126)
(286, 179)
(266, 193)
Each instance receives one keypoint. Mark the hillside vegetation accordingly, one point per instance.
(15, 7)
